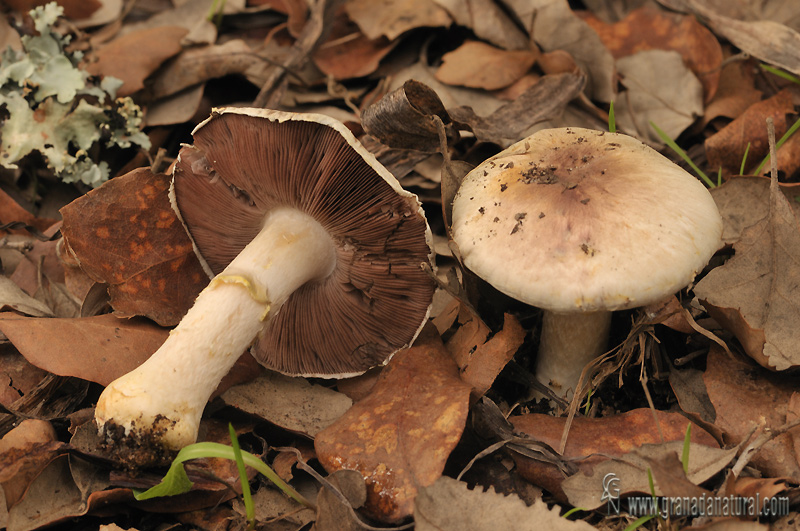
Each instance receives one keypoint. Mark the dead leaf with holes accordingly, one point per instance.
(125, 234)
(756, 294)
(400, 436)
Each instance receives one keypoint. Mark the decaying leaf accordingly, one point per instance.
(125, 234)
(24, 452)
(661, 90)
(400, 436)
(450, 505)
(756, 294)
(348, 53)
(291, 403)
(478, 65)
(13, 298)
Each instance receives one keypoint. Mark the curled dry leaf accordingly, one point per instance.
(756, 294)
(391, 19)
(745, 396)
(24, 452)
(405, 118)
(649, 28)
(133, 57)
(735, 93)
(125, 234)
(478, 65)
(98, 349)
(726, 148)
(592, 441)
(13, 298)
(450, 505)
(543, 101)
(197, 65)
(400, 436)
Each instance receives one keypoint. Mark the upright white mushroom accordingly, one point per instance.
(580, 223)
(315, 253)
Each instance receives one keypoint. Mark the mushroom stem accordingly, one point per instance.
(165, 396)
(568, 342)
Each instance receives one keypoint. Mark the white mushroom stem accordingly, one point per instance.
(568, 342)
(169, 391)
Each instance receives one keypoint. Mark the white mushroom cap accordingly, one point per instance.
(579, 220)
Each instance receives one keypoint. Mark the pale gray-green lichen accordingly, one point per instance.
(54, 107)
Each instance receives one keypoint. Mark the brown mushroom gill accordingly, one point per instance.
(379, 245)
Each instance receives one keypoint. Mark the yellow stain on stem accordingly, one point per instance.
(256, 291)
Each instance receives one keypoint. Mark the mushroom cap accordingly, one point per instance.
(245, 162)
(573, 219)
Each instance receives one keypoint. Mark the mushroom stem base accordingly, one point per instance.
(568, 342)
(163, 399)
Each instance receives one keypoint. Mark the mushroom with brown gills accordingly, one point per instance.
(580, 223)
(316, 254)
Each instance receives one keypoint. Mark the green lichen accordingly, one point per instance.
(54, 107)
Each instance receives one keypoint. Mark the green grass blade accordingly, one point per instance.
(685, 454)
(780, 73)
(677, 149)
(250, 510)
(612, 120)
(572, 511)
(744, 159)
(795, 126)
(172, 487)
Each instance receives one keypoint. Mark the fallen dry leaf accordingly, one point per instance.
(735, 93)
(391, 19)
(726, 148)
(400, 436)
(756, 294)
(554, 26)
(489, 21)
(592, 441)
(24, 452)
(769, 41)
(743, 396)
(450, 505)
(17, 376)
(649, 28)
(291, 403)
(743, 202)
(133, 57)
(348, 53)
(660, 90)
(125, 234)
(478, 65)
(73, 9)
(98, 349)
